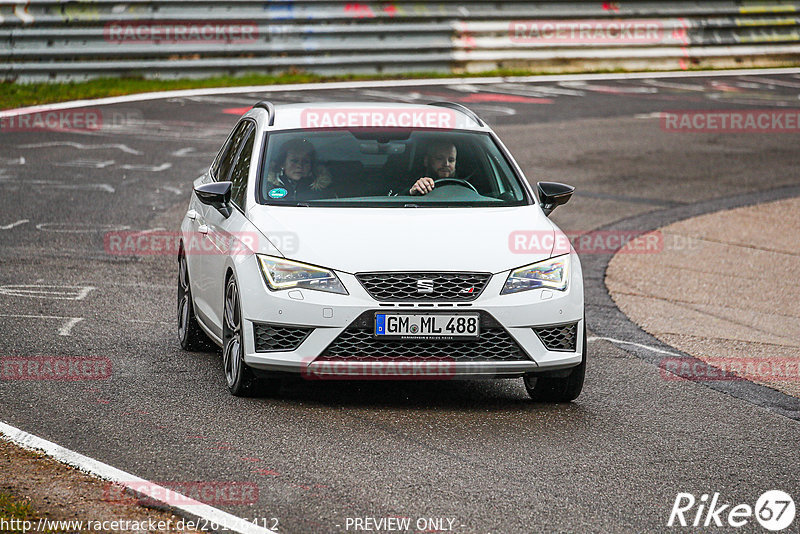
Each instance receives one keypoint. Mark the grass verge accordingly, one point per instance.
(15, 95)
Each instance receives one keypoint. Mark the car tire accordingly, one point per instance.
(241, 380)
(548, 388)
(190, 334)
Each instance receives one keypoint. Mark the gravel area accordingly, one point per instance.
(724, 289)
(59, 493)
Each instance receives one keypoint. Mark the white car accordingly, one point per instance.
(379, 241)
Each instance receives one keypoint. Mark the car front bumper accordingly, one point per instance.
(329, 315)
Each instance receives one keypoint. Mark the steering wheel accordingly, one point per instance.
(455, 181)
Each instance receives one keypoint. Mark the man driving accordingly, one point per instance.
(440, 162)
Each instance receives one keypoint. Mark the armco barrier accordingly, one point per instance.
(47, 40)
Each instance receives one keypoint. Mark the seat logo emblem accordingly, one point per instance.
(424, 286)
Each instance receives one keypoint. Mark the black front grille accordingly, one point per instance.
(358, 343)
(273, 337)
(394, 287)
(563, 337)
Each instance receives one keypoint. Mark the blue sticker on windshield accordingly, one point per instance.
(278, 192)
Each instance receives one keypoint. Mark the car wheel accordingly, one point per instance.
(566, 388)
(190, 334)
(241, 380)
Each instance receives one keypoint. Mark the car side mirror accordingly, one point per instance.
(216, 195)
(553, 194)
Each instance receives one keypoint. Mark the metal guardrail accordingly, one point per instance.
(46, 40)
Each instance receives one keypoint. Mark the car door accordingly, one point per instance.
(224, 233)
(204, 257)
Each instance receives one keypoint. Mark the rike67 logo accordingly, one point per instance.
(774, 510)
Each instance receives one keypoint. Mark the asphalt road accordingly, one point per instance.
(477, 452)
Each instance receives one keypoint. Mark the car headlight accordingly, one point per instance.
(551, 274)
(280, 273)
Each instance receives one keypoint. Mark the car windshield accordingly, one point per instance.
(379, 167)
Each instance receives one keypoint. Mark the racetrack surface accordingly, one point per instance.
(478, 452)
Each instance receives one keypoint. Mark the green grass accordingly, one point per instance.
(12, 508)
(26, 94)
(14, 95)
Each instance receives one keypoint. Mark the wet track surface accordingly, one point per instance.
(477, 452)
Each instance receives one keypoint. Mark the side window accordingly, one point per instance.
(221, 156)
(497, 183)
(229, 153)
(242, 169)
(218, 159)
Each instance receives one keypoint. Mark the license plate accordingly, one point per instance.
(429, 326)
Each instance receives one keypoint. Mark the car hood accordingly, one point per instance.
(407, 239)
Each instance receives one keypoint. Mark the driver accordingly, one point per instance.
(440, 162)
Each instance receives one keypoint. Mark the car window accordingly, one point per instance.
(228, 154)
(221, 155)
(364, 167)
(242, 169)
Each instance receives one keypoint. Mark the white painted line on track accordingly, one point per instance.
(81, 228)
(87, 163)
(148, 168)
(55, 184)
(47, 291)
(139, 485)
(12, 225)
(769, 81)
(149, 322)
(652, 115)
(79, 146)
(185, 93)
(696, 87)
(183, 152)
(621, 342)
(66, 328)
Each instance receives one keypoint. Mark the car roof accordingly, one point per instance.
(325, 115)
